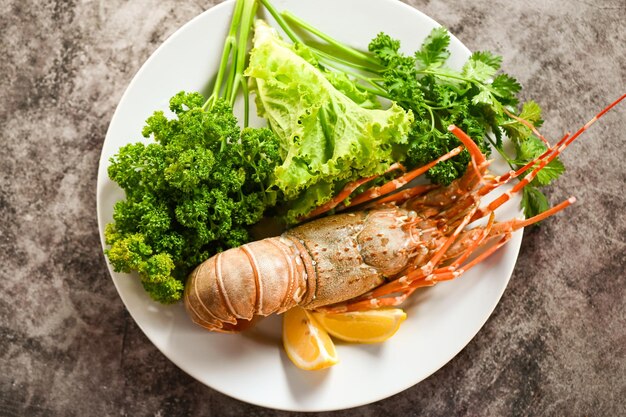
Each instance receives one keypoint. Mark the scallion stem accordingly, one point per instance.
(233, 60)
(330, 40)
(281, 22)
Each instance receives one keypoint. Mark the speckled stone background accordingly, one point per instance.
(555, 345)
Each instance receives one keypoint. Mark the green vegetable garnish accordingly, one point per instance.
(197, 188)
(476, 98)
(328, 138)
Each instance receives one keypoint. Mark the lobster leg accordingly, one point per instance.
(478, 162)
(446, 274)
(344, 193)
(469, 208)
(475, 242)
(394, 185)
(405, 195)
(402, 283)
(499, 229)
(477, 156)
(503, 179)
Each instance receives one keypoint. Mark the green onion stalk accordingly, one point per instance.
(233, 62)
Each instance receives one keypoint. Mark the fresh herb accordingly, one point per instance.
(476, 98)
(197, 188)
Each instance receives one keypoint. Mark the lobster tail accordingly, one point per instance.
(228, 291)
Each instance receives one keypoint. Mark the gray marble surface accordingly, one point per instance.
(555, 345)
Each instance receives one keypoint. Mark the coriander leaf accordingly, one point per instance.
(484, 97)
(550, 172)
(478, 71)
(505, 87)
(487, 58)
(532, 148)
(519, 132)
(531, 112)
(434, 51)
(529, 149)
(533, 201)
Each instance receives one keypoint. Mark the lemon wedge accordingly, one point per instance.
(372, 326)
(307, 344)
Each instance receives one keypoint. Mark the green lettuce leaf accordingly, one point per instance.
(327, 137)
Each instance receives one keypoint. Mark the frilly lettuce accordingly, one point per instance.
(326, 137)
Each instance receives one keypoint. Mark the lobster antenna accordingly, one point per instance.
(478, 158)
(543, 215)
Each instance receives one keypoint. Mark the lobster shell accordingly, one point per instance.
(228, 290)
(319, 263)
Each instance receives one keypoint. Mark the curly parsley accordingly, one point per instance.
(198, 187)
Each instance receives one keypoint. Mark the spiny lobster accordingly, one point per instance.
(374, 257)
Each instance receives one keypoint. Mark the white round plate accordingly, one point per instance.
(253, 367)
